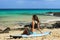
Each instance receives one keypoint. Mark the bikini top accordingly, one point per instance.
(35, 22)
(35, 25)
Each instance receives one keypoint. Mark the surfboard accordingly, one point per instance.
(32, 35)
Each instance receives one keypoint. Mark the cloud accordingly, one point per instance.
(24, 1)
(36, 2)
(50, 0)
(20, 2)
(29, 3)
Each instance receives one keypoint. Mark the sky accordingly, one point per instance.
(55, 4)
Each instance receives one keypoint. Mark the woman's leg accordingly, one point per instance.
(25, 31)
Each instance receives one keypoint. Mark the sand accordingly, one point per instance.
(10, 22)
(55, 35)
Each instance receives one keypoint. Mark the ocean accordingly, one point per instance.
(14, 12)
(10, 15)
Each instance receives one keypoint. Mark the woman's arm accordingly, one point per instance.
(39, 27)
(32, 26)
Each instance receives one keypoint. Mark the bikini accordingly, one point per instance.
(35, 26)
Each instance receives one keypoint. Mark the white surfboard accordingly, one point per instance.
(32, 35)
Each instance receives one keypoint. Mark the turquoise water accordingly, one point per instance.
(14, 12)
(11, 15)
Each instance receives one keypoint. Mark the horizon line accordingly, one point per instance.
(33, 8)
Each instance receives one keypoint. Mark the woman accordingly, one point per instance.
(35, 24)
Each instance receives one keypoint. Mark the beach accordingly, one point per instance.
(55, 35)
(12, 21)
(39, 18)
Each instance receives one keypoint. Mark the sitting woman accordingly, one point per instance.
(35, 24)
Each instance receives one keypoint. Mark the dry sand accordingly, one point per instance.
(55, 35)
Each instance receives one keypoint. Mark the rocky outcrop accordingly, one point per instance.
(53, 13)
(56, 13)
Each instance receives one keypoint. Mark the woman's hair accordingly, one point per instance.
(35, 18)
